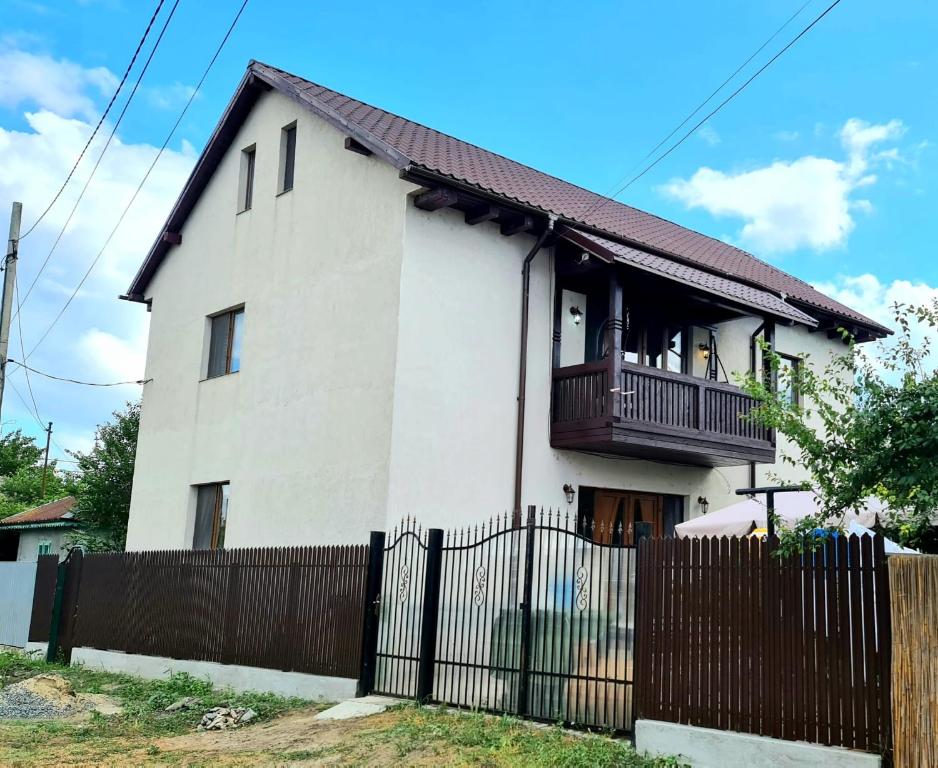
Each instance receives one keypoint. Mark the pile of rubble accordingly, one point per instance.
(42, 697)
(217, 718)
(222, 718)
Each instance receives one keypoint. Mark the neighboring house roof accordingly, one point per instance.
(416, 149)
(55, 514)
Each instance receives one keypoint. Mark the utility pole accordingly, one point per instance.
(9, 283)
(45, 462)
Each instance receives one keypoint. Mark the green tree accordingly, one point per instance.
(17, 451)
(865, 425)
(23, 489)
(105, 479)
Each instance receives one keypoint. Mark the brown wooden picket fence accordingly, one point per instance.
(43, 595)
(733, 637)
(291, 608)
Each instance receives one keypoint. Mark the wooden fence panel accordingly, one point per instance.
(913, 586)
(296, 609)
(737, 638)
(43, 596)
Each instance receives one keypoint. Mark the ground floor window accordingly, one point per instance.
(45, 547)
(211, 516)
(617, 517)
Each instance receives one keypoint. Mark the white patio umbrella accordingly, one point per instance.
(741, 518)
(890, 547)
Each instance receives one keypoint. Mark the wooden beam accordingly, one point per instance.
(356, 146)
(434, 199)
(173, 238)
(483, 212)
(516, 223)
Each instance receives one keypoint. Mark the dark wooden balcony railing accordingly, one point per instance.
(655, 414)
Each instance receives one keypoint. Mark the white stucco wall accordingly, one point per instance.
(379, 366)
(302, 432)
(28, 548)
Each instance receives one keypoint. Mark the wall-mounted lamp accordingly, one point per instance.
(704, 350)
(577, 315)
(570, 492)
(704, 504)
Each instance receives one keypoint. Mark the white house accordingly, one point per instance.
(346, 306)
(42, 530)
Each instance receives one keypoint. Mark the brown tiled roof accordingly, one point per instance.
(53, 512)
(414, 147)
(740, 293)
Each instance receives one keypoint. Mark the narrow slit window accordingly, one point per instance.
(224, 352)
(211, 516)
(246, 185)
(287, 157)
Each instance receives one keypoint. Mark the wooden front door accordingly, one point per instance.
(616, 512)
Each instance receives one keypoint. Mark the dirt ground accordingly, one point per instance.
(298, 738)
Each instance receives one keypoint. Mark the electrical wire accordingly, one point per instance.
(19, 326)
(720, 106)
(97, 163)
(703, 103)
(169, 137)
(107, 109)
(76, 381)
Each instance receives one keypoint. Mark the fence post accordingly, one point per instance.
(431, 607)
(372, 614)
(525, 658)
(64, 607)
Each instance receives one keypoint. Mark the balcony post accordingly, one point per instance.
(614, 345)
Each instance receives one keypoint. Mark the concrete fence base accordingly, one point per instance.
(709, 748)
(234, 676)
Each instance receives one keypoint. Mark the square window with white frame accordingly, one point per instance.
(211, 516)
(224, 349)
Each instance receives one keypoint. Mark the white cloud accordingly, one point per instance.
(99, 338)
(875, 299)
(709, 135)
(809, 201)
(869, 295)
(787, 135)
(55, 84)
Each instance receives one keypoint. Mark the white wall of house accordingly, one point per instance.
(379, 365)
(302, 432)
(28, 548)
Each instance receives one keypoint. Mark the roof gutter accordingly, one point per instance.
(523, 361)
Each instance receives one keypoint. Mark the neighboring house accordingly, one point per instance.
(42, 530)
(346, 306)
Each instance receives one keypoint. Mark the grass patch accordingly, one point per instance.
(473, 739)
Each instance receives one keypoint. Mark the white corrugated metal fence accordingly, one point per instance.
(17, 580)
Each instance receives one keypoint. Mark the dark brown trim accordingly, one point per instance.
(353, 145)
(173, 238)
(434, 199)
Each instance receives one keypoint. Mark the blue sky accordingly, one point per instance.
(823, 166)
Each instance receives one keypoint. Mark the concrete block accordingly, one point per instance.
(362, 707)
(709, 748)
(234, 676)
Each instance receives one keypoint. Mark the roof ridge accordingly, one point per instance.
(598, 195)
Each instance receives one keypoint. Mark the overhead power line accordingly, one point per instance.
(97, 163)
(120, 220)
(709, 98)
(75, 381)
(19, 327)
(716, 109)
(107, 109)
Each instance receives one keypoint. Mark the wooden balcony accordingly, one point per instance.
(653, 414)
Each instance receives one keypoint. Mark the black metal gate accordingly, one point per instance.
(536, 620)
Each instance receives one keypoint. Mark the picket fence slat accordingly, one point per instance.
(737, 638)
(296, 609)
